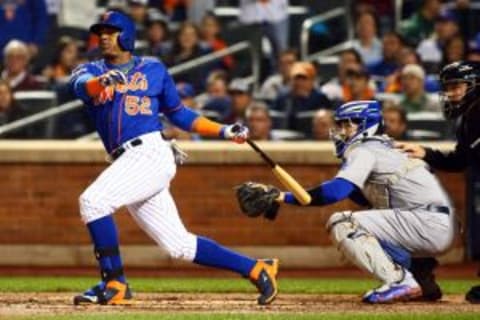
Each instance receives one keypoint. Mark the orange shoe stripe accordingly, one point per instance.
(121, 290)
(257, 268)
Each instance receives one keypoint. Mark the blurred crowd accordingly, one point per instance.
(42, 41)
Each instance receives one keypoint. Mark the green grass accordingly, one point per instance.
(216, 285)
(259, 317)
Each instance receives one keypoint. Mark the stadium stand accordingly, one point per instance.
(320, 31)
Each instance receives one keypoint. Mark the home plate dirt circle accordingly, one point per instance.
(61, 303)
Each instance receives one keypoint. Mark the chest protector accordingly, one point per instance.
(377, 188)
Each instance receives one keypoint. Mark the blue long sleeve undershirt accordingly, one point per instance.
(183, 117)
(330, 191)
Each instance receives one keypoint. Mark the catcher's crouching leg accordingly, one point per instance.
(364, 250)
(361, 248)
(422, 270)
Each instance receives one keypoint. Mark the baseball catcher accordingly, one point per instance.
(409, 213)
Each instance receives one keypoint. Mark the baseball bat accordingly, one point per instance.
(283, 176)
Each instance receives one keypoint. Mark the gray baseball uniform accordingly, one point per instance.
(410, 208)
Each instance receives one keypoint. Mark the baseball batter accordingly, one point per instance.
(410, 213)
(124, 95)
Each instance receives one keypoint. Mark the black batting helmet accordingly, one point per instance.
(460, 72)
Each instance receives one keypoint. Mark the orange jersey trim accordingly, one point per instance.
(206, 127)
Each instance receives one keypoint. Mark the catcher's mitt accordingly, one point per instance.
(256, 199)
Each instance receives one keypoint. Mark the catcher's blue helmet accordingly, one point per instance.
(122, 22)
(365, 113)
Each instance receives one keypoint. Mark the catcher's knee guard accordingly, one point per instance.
(361, 248)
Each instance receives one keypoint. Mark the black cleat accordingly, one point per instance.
(422, 270)
(473, 295)
(114, 292)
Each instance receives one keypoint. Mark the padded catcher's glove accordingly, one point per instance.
(256, 199)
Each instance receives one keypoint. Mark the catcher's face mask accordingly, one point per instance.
(355, 120)
(342, 133)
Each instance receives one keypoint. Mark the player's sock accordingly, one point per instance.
(104, 234)
(209, 253)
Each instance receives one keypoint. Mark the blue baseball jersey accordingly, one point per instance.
(127, 111)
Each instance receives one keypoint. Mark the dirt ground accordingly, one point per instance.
(61, 303)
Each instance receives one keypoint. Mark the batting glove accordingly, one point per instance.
(235, 132)
(112, 77)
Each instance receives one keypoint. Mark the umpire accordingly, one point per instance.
(460, 96)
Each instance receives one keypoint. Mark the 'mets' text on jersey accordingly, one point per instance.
(125, 111)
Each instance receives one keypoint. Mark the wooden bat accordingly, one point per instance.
(283, 176)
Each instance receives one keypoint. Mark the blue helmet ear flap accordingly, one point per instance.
(126, 40)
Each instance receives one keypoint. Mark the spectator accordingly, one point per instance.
(17, 59)
(158, 35)
(392, 44)
(241, 97)
(383, 9)
(176, 10)
(196, 10)
(259, 122)
(334, 87)
(187, 95)
(408, 55)
(303, 96)
(187, 46)
(278, 83)
(455, 50)
(210, 30)
(269, 18)
(414, 97)
(367, 42)
(395, 122)
(9, 109)
(357, 85)
(64, 61)
(217, 83)
(322, 123)
(420, 26)
(431, 49)
(138, 11)
(24, 20)
(393, 83)
(216, 101)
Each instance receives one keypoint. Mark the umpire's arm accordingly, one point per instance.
(454, 160)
